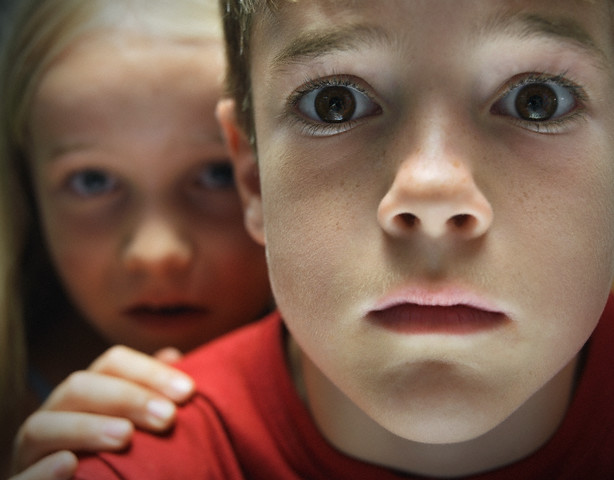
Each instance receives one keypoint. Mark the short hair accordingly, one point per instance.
(237, 20)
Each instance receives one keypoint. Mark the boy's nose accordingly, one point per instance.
(156, 248)
(435, 195)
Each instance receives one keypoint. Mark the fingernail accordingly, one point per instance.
(64, 465)
(182, 385)
(117, 430)
(160, 409)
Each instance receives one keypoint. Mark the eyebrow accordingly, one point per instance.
(529, 25)
(313, 44)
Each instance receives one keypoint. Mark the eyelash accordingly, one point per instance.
(75, 183)
(548, 126)
(551, 125)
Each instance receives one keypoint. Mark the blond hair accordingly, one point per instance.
(39, 32)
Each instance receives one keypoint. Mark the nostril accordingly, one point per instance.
(408, 219)
(462, 221)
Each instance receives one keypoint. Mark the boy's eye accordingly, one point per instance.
(89, 183)
(336, 104)
(537, 101)
(216, 175)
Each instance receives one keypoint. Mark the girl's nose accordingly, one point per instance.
(435, 194)
(156, 247)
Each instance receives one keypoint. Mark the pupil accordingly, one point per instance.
(335, 104)
(536, 102)
(94, 181)
(218, 176)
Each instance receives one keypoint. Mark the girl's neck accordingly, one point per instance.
(69, 345)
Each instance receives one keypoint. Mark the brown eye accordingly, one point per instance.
(332, 107)
(335, 104)
(540, 100)
(536, 102)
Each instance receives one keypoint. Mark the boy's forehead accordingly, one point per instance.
(295, 21)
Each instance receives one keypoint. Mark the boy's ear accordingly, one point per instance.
(245, 168)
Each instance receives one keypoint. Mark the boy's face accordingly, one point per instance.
(437, 188)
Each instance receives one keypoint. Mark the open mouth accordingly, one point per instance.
(411, 318)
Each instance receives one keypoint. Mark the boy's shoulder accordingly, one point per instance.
(219, 360)
(247, 417)
(231, 374)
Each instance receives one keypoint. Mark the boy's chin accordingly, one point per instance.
(437, 427)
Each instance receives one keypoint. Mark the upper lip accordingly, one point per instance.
(448, 296)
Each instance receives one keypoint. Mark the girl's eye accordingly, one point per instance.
(335, 103)
(538, 101)
(216, 176)
(90, 183)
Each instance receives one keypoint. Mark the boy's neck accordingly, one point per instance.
(351, 431)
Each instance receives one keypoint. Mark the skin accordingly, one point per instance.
(97, 409)
(137, 172)
(166, 225)
(447, 197)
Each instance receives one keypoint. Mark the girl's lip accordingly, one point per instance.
(169, 309)
(445, 311)
(166, 314)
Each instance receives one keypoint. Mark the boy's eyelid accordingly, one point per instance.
(343, 80)
(528, 78)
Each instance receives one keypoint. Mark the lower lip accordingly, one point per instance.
(421, 319)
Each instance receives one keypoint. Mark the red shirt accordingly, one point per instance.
(246, 421)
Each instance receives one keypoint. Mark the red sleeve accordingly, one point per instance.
(198, 448)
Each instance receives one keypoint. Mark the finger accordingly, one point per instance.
(168, 355)
(91, 392)
(57, 466)
(45, 432)
(120, 361)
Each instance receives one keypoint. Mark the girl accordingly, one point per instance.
(122, 222)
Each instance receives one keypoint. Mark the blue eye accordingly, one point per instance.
(333, 103)
(216, 175)
(89, 183)
(538, 101)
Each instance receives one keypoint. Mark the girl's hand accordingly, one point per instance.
(97, 410)
(56, 466)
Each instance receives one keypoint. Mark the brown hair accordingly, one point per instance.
(238, 17)
(238, 21)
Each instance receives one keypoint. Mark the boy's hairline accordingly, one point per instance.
(314, 44)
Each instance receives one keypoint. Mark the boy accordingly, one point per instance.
(434, 186)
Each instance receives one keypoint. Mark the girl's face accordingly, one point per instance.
(136, 193)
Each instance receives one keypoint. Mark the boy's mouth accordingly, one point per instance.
(410, 318)
(454, 312)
